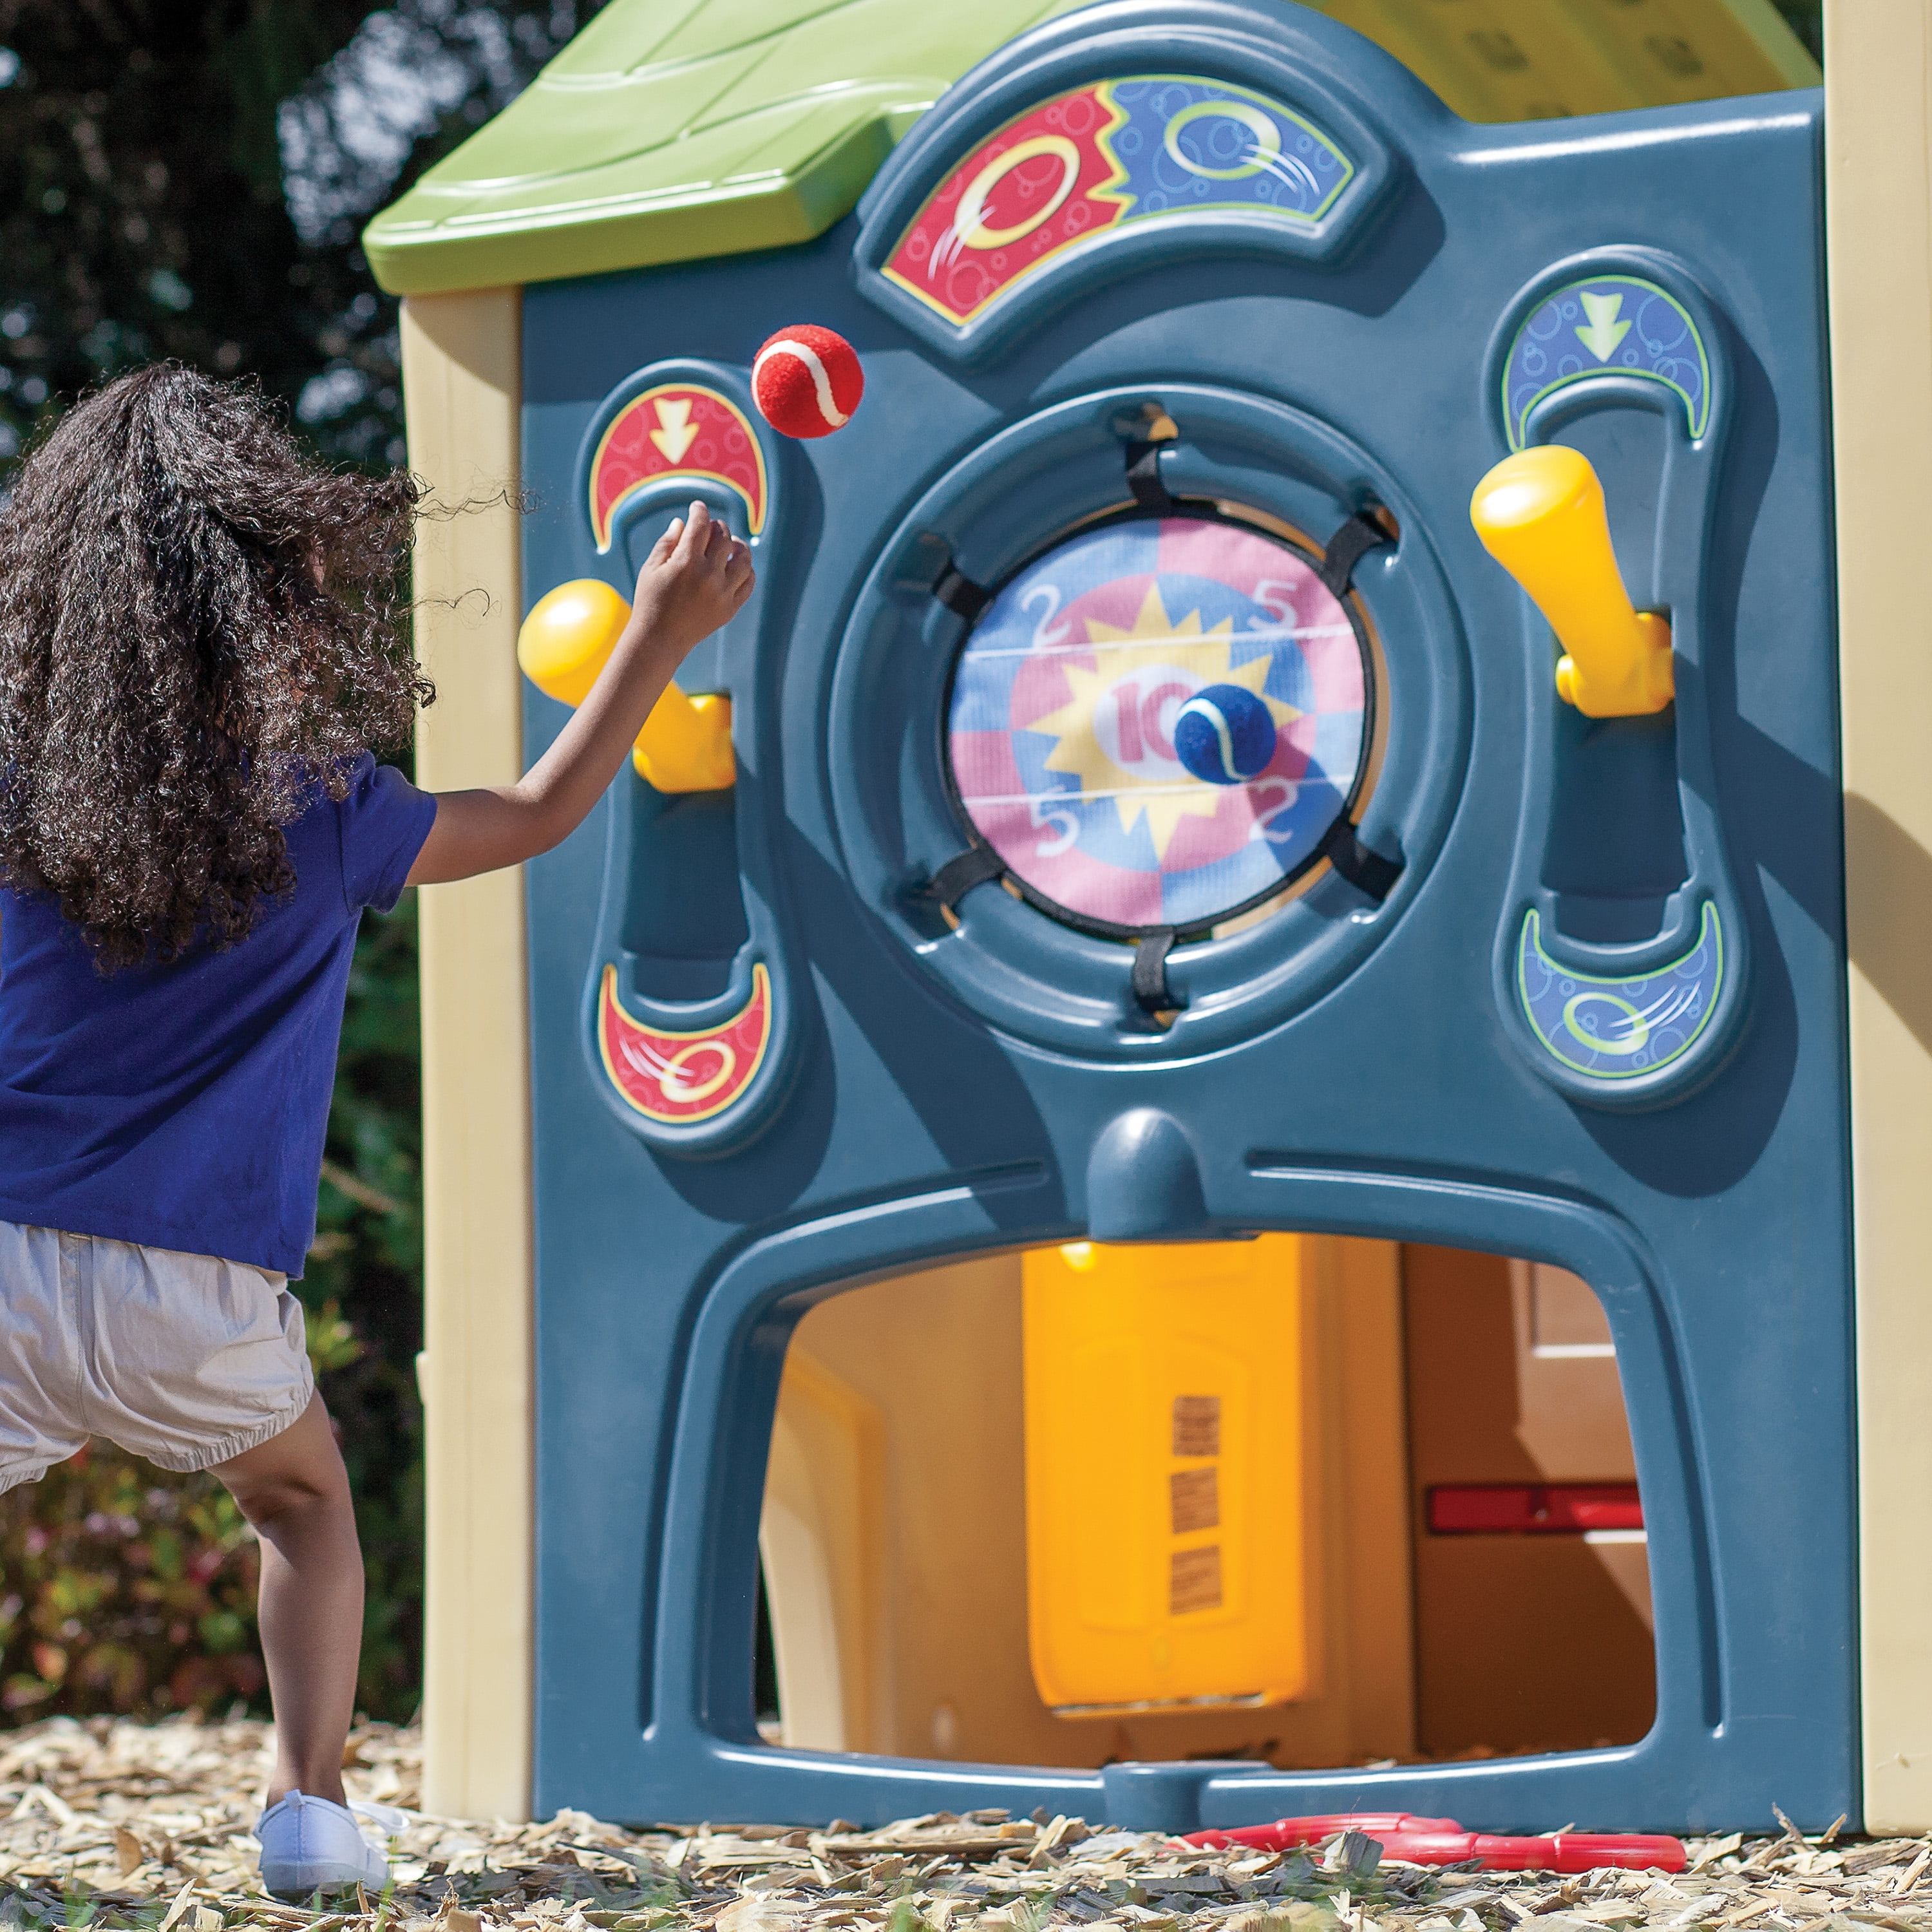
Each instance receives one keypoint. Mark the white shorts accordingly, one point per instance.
(184, 1359)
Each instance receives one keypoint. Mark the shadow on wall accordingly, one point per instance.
(1888, 912)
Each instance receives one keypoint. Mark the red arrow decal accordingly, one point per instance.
(675, 430)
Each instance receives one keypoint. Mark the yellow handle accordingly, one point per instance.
(686, 745)
(567, 639)
(1540, 515)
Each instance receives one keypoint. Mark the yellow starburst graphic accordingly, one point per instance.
(1125, 665)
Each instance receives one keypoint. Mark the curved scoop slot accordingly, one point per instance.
(687, 1014)
(1614, 860)
(683, 924)
(1613, 851)
(1620, 955)
(688, 1008)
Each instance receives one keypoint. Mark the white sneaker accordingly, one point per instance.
(312, 1844)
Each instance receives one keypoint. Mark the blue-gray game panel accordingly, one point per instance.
(1354, 1064)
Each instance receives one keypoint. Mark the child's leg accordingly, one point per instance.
(294, 1490)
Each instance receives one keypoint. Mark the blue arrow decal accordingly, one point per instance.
(1605, 325)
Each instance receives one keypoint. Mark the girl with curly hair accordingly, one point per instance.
(202, 647)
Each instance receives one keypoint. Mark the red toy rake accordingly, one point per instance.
(1442, 1841)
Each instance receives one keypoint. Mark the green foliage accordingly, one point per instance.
(126, 1589)
(186, 178)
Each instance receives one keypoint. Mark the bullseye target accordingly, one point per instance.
(1069, 691)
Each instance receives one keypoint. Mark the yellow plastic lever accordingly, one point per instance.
(686, 745)
(1540, 515)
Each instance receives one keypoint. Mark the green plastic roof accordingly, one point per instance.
(670, 129)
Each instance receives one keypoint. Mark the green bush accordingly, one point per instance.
(128, 1589)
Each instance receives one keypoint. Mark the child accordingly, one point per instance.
(199, 643)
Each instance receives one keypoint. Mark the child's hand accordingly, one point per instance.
(695, 581)
(696, 578)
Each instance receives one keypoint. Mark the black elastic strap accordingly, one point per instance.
(1150, 986)
(1144, 478)
(960, 594)
(962, 872)
(1346, 548)
(1364, 869)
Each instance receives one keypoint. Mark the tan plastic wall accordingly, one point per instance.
(1518, 60)
(461, 385)
(1878, 76)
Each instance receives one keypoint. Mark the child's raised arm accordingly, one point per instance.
(696, 579)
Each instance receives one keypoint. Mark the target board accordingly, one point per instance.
(1065, 703)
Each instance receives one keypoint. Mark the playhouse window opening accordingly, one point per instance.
(1532, 1580)
(1319, 1500)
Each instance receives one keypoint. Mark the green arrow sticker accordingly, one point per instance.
(1603, 332)
(1610, 324)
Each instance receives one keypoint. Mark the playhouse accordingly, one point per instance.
(972, 1264)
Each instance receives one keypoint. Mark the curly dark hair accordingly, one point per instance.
(199, 626)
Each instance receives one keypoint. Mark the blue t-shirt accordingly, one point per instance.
(185, 1106)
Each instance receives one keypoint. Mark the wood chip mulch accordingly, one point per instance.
(114, 1824)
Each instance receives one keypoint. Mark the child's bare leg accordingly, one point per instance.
(294, 1491)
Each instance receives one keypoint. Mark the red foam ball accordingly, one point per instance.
(807, 381)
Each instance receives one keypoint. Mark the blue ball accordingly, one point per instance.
(1224, 734)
